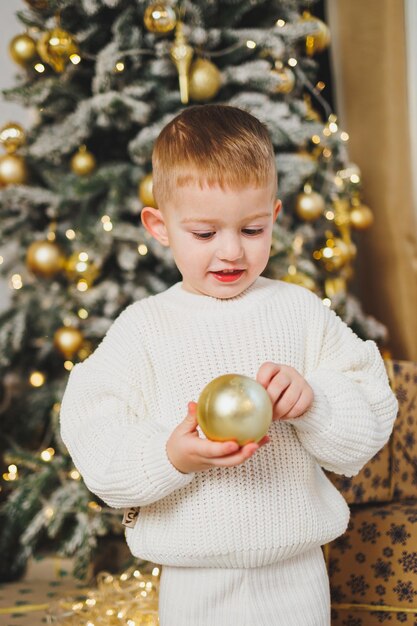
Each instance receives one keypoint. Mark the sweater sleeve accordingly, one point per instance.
(118, 448)
(354, 409)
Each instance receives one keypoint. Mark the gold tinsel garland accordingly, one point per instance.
(130, 598)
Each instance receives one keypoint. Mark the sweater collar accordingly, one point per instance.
(176, 296)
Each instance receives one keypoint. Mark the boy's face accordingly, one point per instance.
(220, 239)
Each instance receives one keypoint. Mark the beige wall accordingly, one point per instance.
(370, 67)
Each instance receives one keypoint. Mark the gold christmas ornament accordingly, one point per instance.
(146, 191)
(68, 340)
(286, 77)
(12, 136)
(79, 267)
(45, 258)
(160, 17)
(22, 49)
(181, 54)
(320, 39)
(335, 254)
(55, 47)
(13, 170)
(361, 217)
(204, 80)
(234, 407)
(83, 162)
(309, 205)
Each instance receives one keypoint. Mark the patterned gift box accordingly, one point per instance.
(48, 577)
(392, 472)
(404, 438)
(373, 567)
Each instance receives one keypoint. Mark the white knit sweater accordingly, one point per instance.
(122, 403)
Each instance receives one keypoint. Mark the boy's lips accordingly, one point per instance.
(227, 276)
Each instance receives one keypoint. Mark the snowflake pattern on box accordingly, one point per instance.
(392, 473)
(375, 561)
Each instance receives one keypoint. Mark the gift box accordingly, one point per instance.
(373, 566)
(392, 473)
(404, 437)
(47, 578)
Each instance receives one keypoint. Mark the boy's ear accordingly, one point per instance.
(154, 222)
(277, 209)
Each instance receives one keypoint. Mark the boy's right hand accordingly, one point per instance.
(189, 453)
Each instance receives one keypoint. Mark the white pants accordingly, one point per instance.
(293, 592)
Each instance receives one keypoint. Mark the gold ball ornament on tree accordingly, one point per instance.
(204, 80)
(22, 49)
(83, 162)
(12, 136)
(45, 258)
(286, 78)
(160, 17)
(361, 217)
(68, 340)
(146, 191)
(56, 47)
(79, 267)
(335, 255)
(234, 407)
(13, 170)
(309, 205)
(320, 39)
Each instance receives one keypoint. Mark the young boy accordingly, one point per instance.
(237, 530)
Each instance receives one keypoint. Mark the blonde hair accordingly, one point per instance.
(212, 144)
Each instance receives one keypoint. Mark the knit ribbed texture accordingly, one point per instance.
(123, 402)
(294, 592)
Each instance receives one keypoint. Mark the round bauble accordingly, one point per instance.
(286, 78)
(336, 256)
(309, 206)
(361, 217)
(13, 170)
(55, 47)
(83, 162)
(320, 39)
(22, 49)
(160, 17)
(80, 267)
(234, 407)
(12, 136)
(68, 340)
(146, 191)
(204, 80)
(45, 258)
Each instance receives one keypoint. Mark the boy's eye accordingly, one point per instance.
(203, 235)
(252, 231)
(247, 231)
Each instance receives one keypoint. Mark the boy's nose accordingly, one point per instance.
(230, 248)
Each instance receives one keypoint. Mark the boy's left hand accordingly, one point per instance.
(290, 393)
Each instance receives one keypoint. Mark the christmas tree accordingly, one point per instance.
(104, 77)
